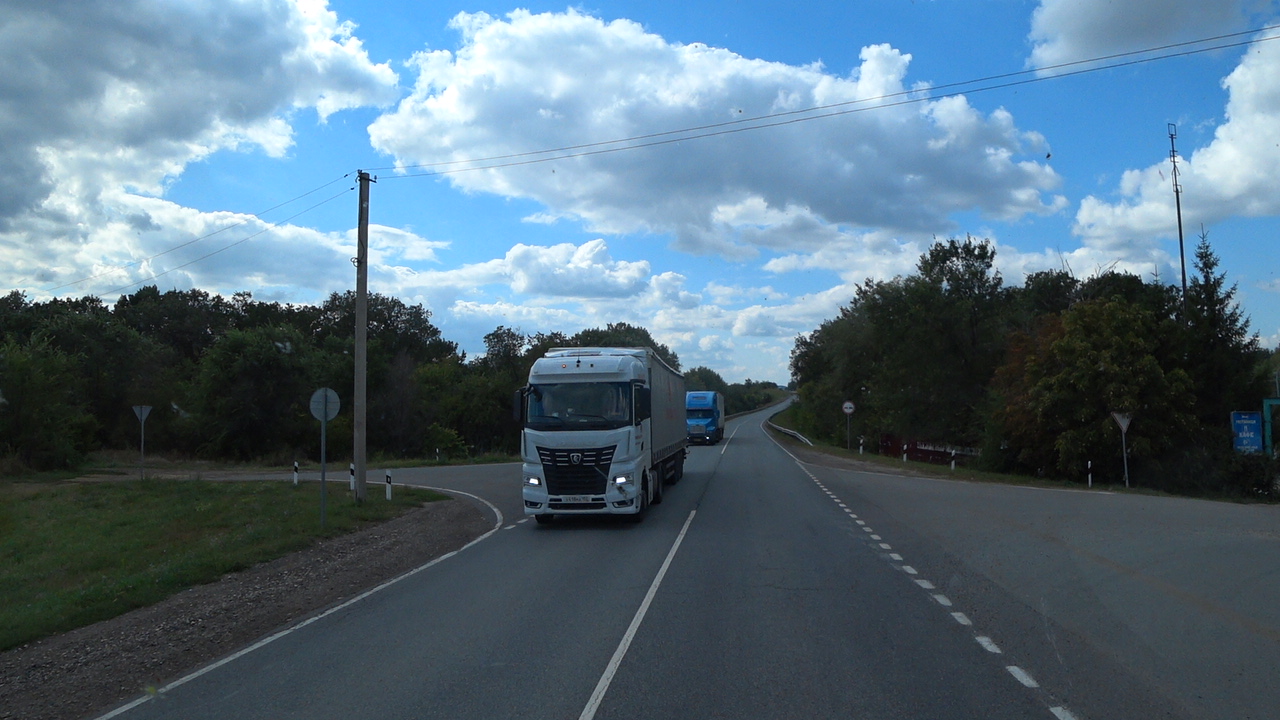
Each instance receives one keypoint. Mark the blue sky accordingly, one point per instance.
(150, 135)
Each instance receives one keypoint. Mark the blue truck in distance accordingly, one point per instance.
(704, 416)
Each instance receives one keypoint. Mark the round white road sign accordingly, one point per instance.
(324, 404)
(848, 408)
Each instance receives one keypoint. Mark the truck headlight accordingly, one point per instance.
(622, 480)
(532, 480)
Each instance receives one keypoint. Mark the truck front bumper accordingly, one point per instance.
(617, 499)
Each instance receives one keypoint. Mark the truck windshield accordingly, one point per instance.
(701, 414)
(578, 406)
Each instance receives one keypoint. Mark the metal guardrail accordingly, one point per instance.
(792, 433)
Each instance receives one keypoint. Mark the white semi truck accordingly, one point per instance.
(604, 431)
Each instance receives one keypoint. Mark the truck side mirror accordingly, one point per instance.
(644, 404)
(517, 406)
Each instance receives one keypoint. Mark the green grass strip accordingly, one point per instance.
(75, 553)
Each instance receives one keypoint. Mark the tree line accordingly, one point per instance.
(1028, 377)
(230, 378)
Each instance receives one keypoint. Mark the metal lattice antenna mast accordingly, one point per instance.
(1177, 199)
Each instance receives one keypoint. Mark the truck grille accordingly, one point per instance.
(589, 475)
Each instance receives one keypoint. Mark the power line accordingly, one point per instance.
(634, 142)
(206, 236)
(758, 122)
(224, 248)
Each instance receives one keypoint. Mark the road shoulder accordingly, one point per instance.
(94, 668)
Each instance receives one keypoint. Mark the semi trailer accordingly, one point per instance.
(603, 432)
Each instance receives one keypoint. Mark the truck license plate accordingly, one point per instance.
(575, 498)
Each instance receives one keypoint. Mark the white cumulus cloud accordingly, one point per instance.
(1065, 31)
(532, 82)
(1234, 175)
(106, 101)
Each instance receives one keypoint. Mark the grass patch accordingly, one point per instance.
(72, 554)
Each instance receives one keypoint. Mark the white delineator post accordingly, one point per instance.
(388, 485)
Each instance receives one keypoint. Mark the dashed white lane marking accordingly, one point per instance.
(886, 546)
(1059, 712)
(508, 527)
(1022, 676)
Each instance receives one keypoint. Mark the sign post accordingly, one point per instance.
(324, 407)
(142, 411)
(848, 415)
(1123, 420)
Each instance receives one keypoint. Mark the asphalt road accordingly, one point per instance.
(765, 587)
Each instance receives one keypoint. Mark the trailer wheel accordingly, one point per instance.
(544, 519)
(658, 486)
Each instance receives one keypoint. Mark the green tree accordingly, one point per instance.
(393, 327)
(1045, 293)
(1104, 359)
(117, 367)
(44, 423)
(703, 378)
(251, 393)
(1221, 354)
(189, 321)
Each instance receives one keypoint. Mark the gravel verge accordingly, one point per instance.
(87, 672)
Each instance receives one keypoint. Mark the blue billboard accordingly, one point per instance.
(1247, 429)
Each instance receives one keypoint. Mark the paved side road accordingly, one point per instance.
(771, 586)
(1181, 595)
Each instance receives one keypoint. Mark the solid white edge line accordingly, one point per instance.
(602, 687)
(290, 630)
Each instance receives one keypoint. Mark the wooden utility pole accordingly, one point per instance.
(362, 336)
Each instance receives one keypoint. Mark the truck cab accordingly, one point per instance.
(704, 417)
(601, 432)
